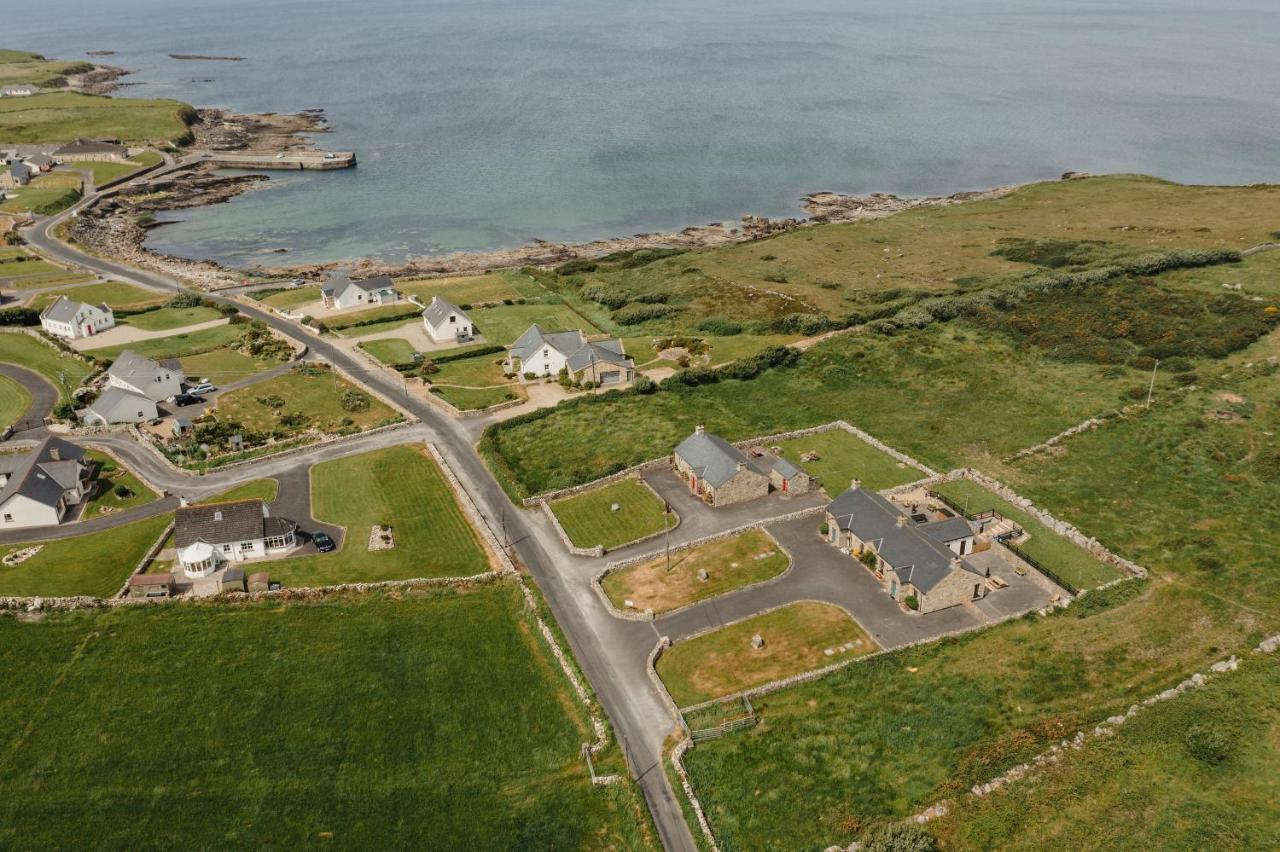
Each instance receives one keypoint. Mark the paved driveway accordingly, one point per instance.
(44, 396)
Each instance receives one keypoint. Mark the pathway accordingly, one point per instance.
(122, 334)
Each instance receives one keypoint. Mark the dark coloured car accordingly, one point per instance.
(187, 399)
(322, 542)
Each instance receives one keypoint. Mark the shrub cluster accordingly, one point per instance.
(637, 314)
(19, 316)
(720, 326)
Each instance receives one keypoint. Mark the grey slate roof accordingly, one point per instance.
(574, 346)
(21, 171)
(219, 523)
(948, 530)
(38, 476)
(712, 458)
(784, 468)
(437, 313)
(918, 558)
(599, 353)
(65, 310)
(40, 160)
(113, 397)
(90, 146)
(372, 285)
(140, 371)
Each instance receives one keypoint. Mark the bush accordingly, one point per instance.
(354, 400)
(19, 316)
(798, 323)
(644, 385)
(720, 326)
(776, 278)
(64, 411)
(1208, 744)
(187, 300)
(636, 314)
(271, 401)
(122, 491)
(611, 297)
(898, 837)
(573, 267)
(868, 558)
(912, 602)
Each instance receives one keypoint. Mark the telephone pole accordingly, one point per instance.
(1152, 387)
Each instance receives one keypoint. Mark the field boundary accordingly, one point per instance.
(146, 559)
(648, 615)
(599, 550)
(472, 512)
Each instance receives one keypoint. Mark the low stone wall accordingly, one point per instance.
(677, 760)
(633, 615)
(323, 442)
(48, 340)
(634, 470)
(594, 552)
(154, 549)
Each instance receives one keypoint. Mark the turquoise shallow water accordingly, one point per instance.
(483, 124)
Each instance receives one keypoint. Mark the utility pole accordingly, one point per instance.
(666, 530)
(1152, 387)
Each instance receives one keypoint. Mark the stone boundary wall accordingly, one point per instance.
(469, 508)
(323, 442)
(677, 760)
(633, 615)
(1104, 728)
(634, 470)
(481, 412)
(151, 553)
(49, 341)
(599, 550)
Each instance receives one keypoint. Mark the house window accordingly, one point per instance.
(226, 548)
(246, 546)
(8, 519)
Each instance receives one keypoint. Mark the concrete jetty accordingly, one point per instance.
(285, 160)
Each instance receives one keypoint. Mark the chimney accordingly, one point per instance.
(857, 483)
(902, 520)
(700, 430)
(55, 454)
(955, 563)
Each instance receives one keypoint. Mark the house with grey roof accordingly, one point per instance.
(445, 322)
(117, 405)
(721, 474)
(38, 487)
(920, 561)
(92, 150)
(340, 292)
(70, 319)
(15, 174)
(156, 380)
(40, 162)
(539, 353)
(213, 536)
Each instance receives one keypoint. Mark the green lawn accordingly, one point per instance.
(346, 321)
(796, 638)
(842, 457)
(292, 298)
(63, 116)
(1150, 767)
(317, 397)
(431, 720)
(222, 366)
(473, 289)
(503, 325)
(588, 518)
(26, 351)
(262, 489)
(117, 294)
(93, 564)
(14, 402)
(731, 563)
(23, 267)
(470, 399)
(481, 371)
(110, 474)
(45, 195)
(176, 345)
(1056, 553)
(19, 66)
(930, 393)
(167, 318)
(903, 730)
(107, 171)
(401, 486)
(390, 350)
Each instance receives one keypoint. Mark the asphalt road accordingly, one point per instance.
(605, 647)
(44, 396)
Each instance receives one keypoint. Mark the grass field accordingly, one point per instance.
(929, 393)
(471, 399)
(305, 736)
(401, 486)
(842, 457)
(472, 289)
(64, 116)
(93, 564)
(167, 318)
(317, 397)
(345, 323)
(26, 351)
(731, 563)
(176, 345)
(223, 365)
(117, 294)
(481, 371)
(22, 267)
(107, 171)
(110, 474)
(45, 195)
(902, 730)
(390, 350)
(293, 297)
(19, 66)
(14, 402)
(262, 489)
(1186, 801)
(504, 324)
(1059, 555)
(588, 518)
(795, 637)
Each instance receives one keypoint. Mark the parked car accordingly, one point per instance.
(322, 541)
(187, 399)
(203, 387)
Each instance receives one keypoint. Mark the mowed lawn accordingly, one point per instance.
(94, 564)
(316, 396)
(503, 324)
(27, 351)
(263, 489)
(1062, 557)
(291, 298)
(105, 172)
(222, 366)
(14, 402)
(426, 720)
(902, 730)
(470, 399)
(117, 294)
(472, 289)
(731, 563)
(796, 638)
(167, 318)
(112, 473)
(390, 350)
(46, 194)
(176, 345)
(843, 457)
(589, 519)
(400, 486)
(1188, 799)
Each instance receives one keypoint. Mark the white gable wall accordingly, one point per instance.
(21, 511)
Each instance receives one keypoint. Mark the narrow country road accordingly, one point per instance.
(44, 396)
(612, 652)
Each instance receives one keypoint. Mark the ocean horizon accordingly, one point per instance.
(484, 125)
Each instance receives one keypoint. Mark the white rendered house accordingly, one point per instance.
(446, 322)
(340, 292)
(72, 320)
(209, 537)
(38, 487)
(156, 380)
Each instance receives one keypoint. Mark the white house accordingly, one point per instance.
(136, 374)
(209, 537)
(37, 487)
(340, 292)
(67, 318)
(20, 91)
(445, 322)
(545, 353)
(117, 405)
